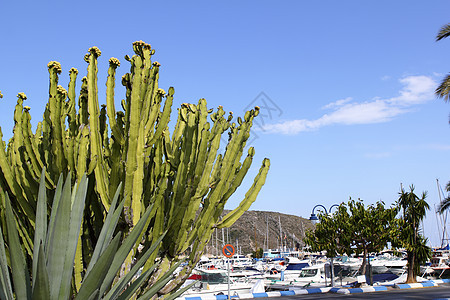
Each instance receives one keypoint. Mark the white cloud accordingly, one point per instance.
(378, 155)
(438, 147)
(415, 90)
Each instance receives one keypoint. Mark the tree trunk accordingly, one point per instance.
(411, 278)
(362, 269)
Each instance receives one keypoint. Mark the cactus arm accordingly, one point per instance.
(13, 185)
(27, 138)
(54, 102)
(62, 141)
(250, 197)
(72, 120)
(165, 116)
(153, 100)
(45, 144)
(95, 137)
(110, 106)
(131, 160)
(82, 156)
(240, 174)
(149, 111)
(18, 159)
(116, 171)
(104, 134)
(83, 115)
(144, 50)
(138, 178)
(32, 149)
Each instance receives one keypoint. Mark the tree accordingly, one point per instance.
(328, 235)
(369, 228)
(353, 228)
(442, 91)
(408, 234)
(258, 253)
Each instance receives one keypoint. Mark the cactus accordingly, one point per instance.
(181, 175)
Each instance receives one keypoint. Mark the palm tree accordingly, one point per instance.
(414, 210)
(443, 89)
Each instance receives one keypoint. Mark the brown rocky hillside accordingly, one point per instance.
(250, 232)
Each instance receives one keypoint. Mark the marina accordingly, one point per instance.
(297, 270)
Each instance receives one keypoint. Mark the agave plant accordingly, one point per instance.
(56, 242)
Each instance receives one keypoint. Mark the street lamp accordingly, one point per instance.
(314, 218)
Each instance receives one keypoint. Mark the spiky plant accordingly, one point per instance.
(182, 174)
(56, 239)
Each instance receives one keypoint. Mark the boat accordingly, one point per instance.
(292, 270)
(215, 282)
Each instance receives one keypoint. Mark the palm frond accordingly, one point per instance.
(444, 205)
(444, 32)
(442, 91)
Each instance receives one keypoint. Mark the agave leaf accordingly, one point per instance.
(51, 223)
(160, 283)
(135, 285)
(76, 215)
(21, 278)
(107, 230)
(94, 295)
(94, 280)
(57, 244)
(115, 217)
(118, 288)
(40, 232)
(124, 250)
(154, 289)
(125, 280)
(41, 288)
(5, 280)
(179, 292)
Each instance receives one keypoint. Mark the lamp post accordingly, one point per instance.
(314, 218)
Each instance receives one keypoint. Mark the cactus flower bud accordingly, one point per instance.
(22, 96)
(54, 65)
(94, 50)
(114, 62)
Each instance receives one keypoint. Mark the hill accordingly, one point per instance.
(252, 229)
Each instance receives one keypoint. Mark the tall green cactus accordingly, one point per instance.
(182, 174)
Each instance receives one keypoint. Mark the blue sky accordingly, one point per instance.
(346, 87)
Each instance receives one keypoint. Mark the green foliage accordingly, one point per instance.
(181, 174)
(327, 234)
(442, 91)
(445, 204)
(53, 259)
(353, 229)
(258, 253)
(407, 234)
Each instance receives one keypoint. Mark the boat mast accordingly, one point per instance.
(281, 234)
(444, 221)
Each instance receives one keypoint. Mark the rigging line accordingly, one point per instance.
(444, 221)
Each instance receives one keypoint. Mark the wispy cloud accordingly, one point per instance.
(438, 147)
(378, 155)
(415, 90)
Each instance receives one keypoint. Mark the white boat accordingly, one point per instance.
(215, 282)
(308, 276)
(291, 272)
